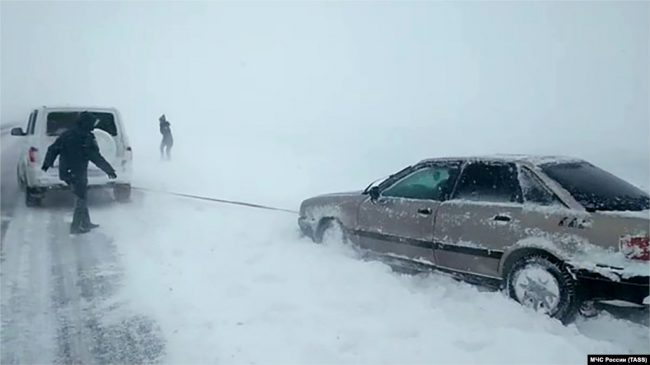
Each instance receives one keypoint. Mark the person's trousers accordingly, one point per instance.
(81, 216)
(166, 149)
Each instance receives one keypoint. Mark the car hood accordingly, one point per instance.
(343, 194)
(331, 201)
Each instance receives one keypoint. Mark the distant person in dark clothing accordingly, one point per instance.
(167, 139)
(75, 147)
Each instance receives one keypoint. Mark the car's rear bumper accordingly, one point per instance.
(594, 286)
(50, 180)
(60, 185)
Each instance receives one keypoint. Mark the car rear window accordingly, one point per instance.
(597, 189)
(59, 122)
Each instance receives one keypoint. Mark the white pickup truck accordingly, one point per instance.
(45, 125)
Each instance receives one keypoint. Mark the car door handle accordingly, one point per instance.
(502, 218)
(424, 211)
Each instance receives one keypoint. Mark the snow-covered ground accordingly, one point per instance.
(237, 285)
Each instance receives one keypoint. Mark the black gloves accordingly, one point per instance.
(111, 175)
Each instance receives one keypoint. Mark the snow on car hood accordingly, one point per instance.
(348, 193)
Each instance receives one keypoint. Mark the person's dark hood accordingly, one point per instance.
(86, 121)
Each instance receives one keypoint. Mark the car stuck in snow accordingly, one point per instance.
(45, 124)
(555, 233)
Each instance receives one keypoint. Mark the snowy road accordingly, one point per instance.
(9, 191)
(58, 291)
(173, 280)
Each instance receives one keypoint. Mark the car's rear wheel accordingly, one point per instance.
(33, 197)
(331, 231)
(540, 283)
(122, 192)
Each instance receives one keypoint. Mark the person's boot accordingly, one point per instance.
(79, 230)
(77, 219)
(80, 218)
(85, 221)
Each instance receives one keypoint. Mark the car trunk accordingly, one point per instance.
(622, 231)
(105, 134)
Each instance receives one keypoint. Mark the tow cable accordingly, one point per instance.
(222, 201)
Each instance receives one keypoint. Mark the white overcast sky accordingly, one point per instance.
(431, 78)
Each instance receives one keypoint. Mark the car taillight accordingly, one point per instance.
(635, 247)
(32, 154)
(128, 156)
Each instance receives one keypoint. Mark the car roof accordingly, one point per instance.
(78, 108)
(534, 160)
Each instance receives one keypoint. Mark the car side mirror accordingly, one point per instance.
(17, 131)
(374, 193)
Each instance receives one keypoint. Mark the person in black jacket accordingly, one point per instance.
(75, 147)
(167, 139)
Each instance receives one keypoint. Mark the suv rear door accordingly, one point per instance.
(483, 216)
(58, 121)
(400, 222)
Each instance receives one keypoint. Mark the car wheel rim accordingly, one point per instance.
(537, 288)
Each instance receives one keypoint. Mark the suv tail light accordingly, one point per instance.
(128, 156)
(635, 247)
(32, 154)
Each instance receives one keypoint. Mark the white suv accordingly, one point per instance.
(45, 125)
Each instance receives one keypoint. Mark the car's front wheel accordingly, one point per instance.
(544, 285)
(33, 197)
(330, 230)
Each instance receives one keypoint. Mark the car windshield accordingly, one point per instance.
(59, 122)
(596, 189)
(382, 181)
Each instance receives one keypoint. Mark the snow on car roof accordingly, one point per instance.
(79, 108)
(531, 159)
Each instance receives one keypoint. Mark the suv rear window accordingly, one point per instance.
(59, 122)
(597, 189)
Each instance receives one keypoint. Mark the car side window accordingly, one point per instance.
(489, 182)
(534, 191)
(32, 122)
(29, 122)
(428, 183)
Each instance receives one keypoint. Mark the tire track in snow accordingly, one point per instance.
(28, 325)
(59, 300)
(71, 332)
(93, 326)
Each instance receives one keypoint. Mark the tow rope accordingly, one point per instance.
(222, 201)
